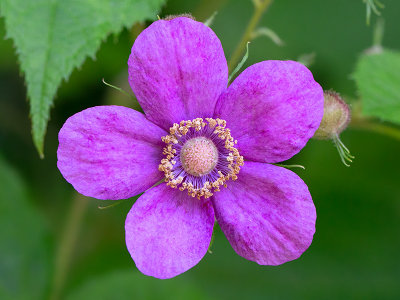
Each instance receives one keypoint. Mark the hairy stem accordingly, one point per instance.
(259, 8)
(67, 244)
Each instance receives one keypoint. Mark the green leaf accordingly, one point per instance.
(130, 284)
(378, 80)
(52, 37)
(24, 255)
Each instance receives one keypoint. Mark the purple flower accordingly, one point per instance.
(213, 146)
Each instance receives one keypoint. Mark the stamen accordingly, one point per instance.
(200, 156)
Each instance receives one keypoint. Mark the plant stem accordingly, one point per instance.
(259, 7)
(374, 126)
(67, 244)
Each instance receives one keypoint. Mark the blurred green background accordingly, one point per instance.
(355, 248)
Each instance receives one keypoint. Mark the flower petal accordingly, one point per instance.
(110, 152)
(168, 232)
(272, 108)
(177, 70)
(267, 214)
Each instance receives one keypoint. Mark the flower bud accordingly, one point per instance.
(335, 120)
(336, 116)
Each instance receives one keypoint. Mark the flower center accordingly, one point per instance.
(199, 156)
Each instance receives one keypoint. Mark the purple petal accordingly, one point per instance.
(110, 152)
(177, 70)
(272, 108)
(267, 214)
(168, 232)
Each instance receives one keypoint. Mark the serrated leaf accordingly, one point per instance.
(128, 284)
(378, 80)
(52, 37)
(24, 258)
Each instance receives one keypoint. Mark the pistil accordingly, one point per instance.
(199, 156)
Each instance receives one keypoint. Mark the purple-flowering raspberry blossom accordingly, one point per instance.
(213, 145)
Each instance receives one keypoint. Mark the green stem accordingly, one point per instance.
(375, 126)
(259, 7)
(378, 33)
(67, 244)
